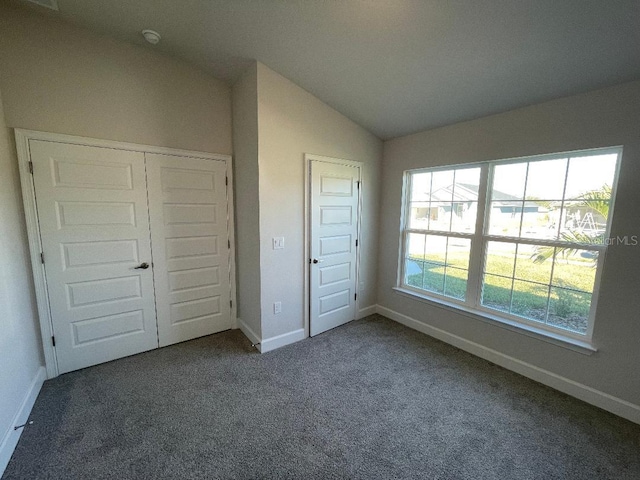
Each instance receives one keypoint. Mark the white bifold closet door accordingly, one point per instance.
(94, 228)
(189, 236)
(135, 249)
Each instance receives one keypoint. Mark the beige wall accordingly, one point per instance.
(56, 77)
(20, 351)
(602, 118)
(293, 122)
(247, 202)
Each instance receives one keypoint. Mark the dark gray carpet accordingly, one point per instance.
(369, 400)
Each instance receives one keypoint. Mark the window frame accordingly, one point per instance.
(480, 238)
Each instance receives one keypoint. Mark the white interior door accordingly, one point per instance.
(94, 226)
(334, 230)
(189, 235)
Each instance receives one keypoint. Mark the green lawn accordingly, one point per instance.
(567, 308)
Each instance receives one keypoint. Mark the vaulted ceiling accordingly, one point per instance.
(395, 66)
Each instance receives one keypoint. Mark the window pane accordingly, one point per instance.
(456, 283)
(458, 250)
(505, 218)
(584, 221)
(413, 270)
(434, 277)
(539, 219)
(547, 211)
(465, 191)
(419, 215)
(442, 186)
(508, 182)
(531, 269)
(500, 258)
(437, 263)
(458, 201)
(420, 187)
(441, 216)
(588, 174)
(415, 246)
(444, 200)
(467, 181)
(569, 309)
(575, 269)
(545, 180)
(530, 300)
(463, 217)
(570, 218)
(436, 249)
(496, 292)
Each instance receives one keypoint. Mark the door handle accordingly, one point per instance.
(142, 266)
(315, 260)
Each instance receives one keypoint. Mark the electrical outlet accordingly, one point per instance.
(277, 307)
(278, 243)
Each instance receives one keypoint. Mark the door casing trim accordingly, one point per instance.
(308, 158)
(23, 137)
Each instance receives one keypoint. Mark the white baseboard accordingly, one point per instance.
(11, 436)
(282, 340)
(249, 333)
(587, 394)
(366, 311)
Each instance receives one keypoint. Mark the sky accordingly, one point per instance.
(545, 179)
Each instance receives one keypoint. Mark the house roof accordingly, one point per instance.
(467, 192)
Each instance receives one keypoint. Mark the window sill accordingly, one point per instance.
(580, 346)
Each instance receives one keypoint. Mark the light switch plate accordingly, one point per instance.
(278, 242)
(277, 307)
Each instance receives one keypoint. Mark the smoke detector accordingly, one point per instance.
(151, 36)
(52, 4)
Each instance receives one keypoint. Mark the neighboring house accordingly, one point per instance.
(539, 218)
(460, 204)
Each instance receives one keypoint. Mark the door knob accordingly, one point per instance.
(315, 260)
(142, 266)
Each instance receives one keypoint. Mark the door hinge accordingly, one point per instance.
(31, 168)
(356, 242)
(226, 181)
(231, 303)
(358, 182)
(229, 243)
(53, 341)
(42, 257)
(355, 296)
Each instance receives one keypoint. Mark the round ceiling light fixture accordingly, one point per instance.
(151, 36)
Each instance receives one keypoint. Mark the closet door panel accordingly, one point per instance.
(189, 239)
(94, 228)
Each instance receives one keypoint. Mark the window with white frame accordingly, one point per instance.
(522, 239)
